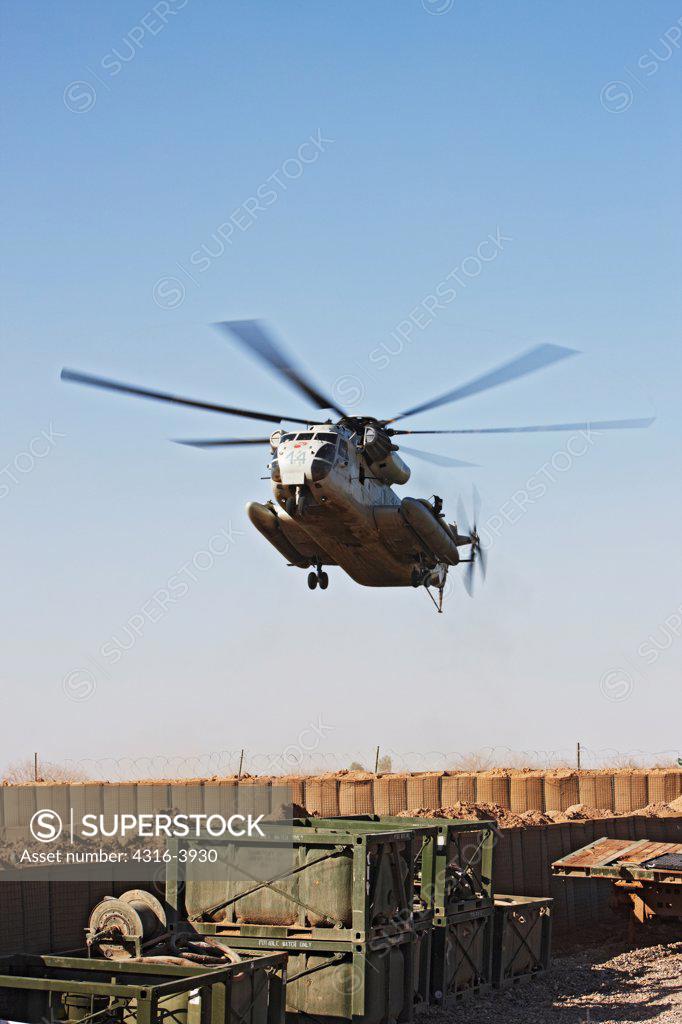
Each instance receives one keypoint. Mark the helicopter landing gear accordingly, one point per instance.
(319, 577)
(431, 578)
(420, 576)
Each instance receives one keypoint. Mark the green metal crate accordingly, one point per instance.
(522, 937)
(340, 884)
(375, 986)
(461, 961)
(375, 981)
(41, 989)
(422, 957)
(454, 862)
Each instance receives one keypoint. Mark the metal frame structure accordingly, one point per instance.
(423, 957)
(640, 884)
(436, 867)
(112, 991)
(449, 991)
(361, 957)
(355, 949)
(522, 927)
(331, 843)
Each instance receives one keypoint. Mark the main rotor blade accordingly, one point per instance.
(437, 460)
(535, 359)
(164, 396)
(254, 337)
(584, 425)
(219, 442)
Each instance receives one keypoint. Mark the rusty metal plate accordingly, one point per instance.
(615, 858)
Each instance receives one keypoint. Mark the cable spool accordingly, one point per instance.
(119, 926)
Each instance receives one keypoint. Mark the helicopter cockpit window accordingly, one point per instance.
(326, 437)
(322, 462)
(326, 452)
(286, 437)
(304, 437)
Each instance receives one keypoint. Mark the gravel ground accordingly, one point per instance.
(607, 984)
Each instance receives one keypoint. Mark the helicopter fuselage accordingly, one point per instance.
(330, 508)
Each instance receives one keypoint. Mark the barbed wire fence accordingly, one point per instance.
(294, 760)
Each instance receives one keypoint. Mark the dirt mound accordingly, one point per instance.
(480, 812)
(511, 819)
(661, 810)
(581, 812)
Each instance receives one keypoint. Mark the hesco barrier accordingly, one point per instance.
(523, 857)
(527, 790)
(456, 788)
(562, 790)
(359, 792)
(494, 788)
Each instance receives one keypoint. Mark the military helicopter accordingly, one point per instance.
(332, 480)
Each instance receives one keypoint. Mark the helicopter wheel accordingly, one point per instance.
(416, 578)
(290, 507)
(312, 580)
(323, 580)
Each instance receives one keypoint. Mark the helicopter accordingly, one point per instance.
(332, 480)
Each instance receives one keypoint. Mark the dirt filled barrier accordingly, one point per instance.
(458, 787)
(390, 794)
(296, 784)
(494, 788)
(663, 785)
(629, 791)
(561, 790)
(322, 796)
(362, 792)
(356, 793)
(523, 857)
(527, 791)
(595, 789)
(422, 789)
(50, 917)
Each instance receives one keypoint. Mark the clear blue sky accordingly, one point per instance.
(131, 133)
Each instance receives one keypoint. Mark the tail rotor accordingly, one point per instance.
(478, 553)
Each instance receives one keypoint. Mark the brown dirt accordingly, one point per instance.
(480, 811)
(509, 819)
(660, 810)
(603, 984)
(581, 812)
(354, 775)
